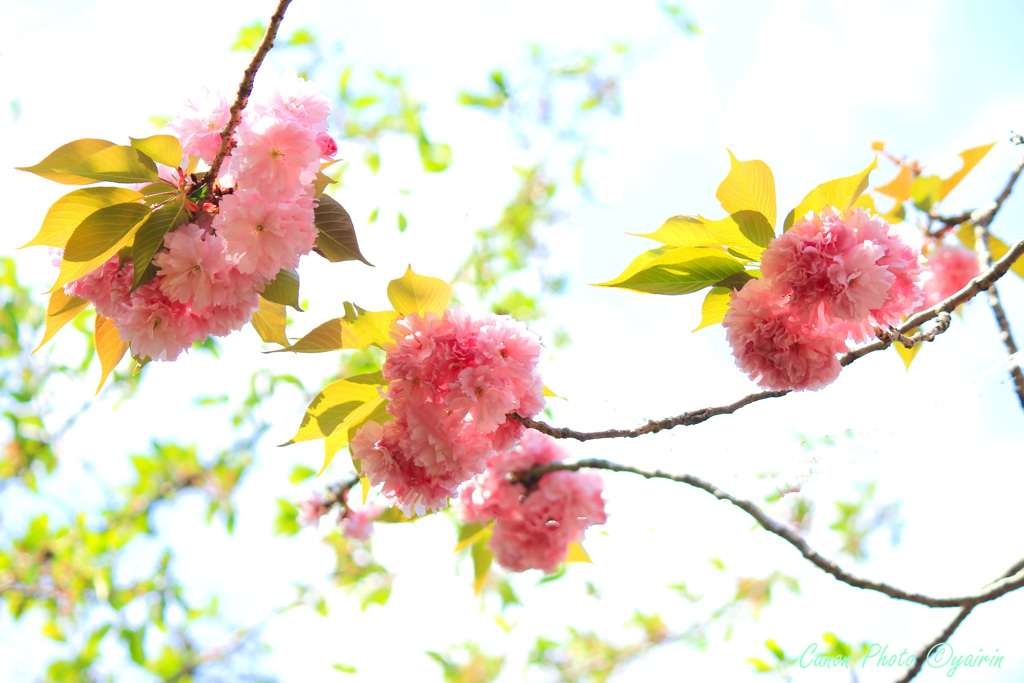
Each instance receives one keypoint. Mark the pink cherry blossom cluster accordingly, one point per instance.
(832, 276)
(452, 381)
(258, 221)
(948, 270)
(532, 529)
(354, 523)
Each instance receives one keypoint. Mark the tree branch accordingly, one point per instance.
(244, 90)
(981, 238)
(1001, 587)
(947, 633)
(941, 310)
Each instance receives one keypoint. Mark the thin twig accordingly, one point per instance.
(947, 633)
(981, 239)
(995, 590)
(244, 90)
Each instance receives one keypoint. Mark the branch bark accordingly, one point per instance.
(947, 633)
(991, 592)
(981, 238)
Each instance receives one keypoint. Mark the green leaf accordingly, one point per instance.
(101, 235)
(249, 37)
(68, 212)
(970, 158)
(301, 473)
(54, 166)
(283, 289)
(164, 149)
(59, 311)
(840, 193)
(925, 191)
(679, 271)
(420, 294)
(109, 347)
(482, 558)
(336, 236)
(775, 649)
(118, 164)
(150, 238)
(403, 222)
(344, 668)
(286, 523)
(715, 306)
(996, 246)
(760, 665)
(378, 596)
(436, 157)
(749, 186)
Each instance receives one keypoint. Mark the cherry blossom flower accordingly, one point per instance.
(948, 270)
(532, 528)
(777, 348)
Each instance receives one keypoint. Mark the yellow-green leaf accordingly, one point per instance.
(101, 235)
(478, 536)
(678, 271)
(164, 149)
(118, 164)
(341, 406)
(576, 553)
(747, 232)
(370, 327)
(354, 419)
(925, 191)
(749, 186)
(482, 558)
(59, 311)
(336, 236)
(109, 347)
(840, 193)
(364, 483)
(996, 246)
(413, 293)
(970, 158)
(68, 212)
(715, 306)
(54, 166)
(269, 322)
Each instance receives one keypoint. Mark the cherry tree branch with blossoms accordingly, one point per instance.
(942, 310)
(245, 89)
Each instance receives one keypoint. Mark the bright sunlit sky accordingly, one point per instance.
(806, 87)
